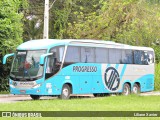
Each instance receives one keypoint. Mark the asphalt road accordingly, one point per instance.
(18, 98)
(12, 98)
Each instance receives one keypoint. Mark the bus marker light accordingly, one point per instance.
(38, 91)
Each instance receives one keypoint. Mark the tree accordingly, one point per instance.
(33, 20)
(10, 33)
(132, 22)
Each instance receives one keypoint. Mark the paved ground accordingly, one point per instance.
(17, 98)
(151, 93)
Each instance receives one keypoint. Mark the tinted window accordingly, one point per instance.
(127, 57)
(101, 55)
(150, 57)
(115, 56)
(73, 54)
(54, 61)
(141, 57)
(87, 55)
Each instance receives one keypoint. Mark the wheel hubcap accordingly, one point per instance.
(135, 90)
(126, 91)
(65, 92)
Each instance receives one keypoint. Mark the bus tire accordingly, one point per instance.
(66, 91)
(101, 94)
(35, 97)
(96, 95)
(136, 89)
(126, 89)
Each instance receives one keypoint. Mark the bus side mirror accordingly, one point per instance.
(42, 58)
(6, 56)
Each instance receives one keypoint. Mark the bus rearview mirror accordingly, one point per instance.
(42, 58)
(5, 58)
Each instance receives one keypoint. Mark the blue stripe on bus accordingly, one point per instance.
(108, 65)
(117, 65)
(123, 70)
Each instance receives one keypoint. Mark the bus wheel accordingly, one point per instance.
(101, 94)
(136, 89)
(66, 91)
(96, 95)
(126, 89)
(35, 97)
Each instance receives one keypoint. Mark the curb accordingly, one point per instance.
(12, 95)
(155, 93)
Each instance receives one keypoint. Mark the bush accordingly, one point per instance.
(11, 29)
(157, 53)
(157, 77)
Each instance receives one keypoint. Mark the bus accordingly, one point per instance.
(52, 67)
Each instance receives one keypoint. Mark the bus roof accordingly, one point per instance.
(49, 43)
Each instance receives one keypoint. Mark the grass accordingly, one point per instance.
(112, 103)
(4, 92)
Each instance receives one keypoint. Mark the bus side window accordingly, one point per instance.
(50, 63)
(127, 57)
(54, 61)
(148, 57)
(151, 57)
(87, 55)
(72, 55)
(141, 57)
(137, 57)
(145, 58)
(115, 56)
(101, 55)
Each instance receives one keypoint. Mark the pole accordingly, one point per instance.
(46, 20)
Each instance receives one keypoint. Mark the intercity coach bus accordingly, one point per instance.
(63, 67)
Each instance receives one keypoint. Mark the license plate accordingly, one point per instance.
(22, 91)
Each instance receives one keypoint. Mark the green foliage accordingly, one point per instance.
(59, 15)
(33, 20)
(125, 21)
(157, 77)
(131, 22)
(10, 34)
(157, 53)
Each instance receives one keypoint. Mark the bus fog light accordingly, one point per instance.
(12, 86)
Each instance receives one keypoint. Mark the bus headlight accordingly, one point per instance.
(36, 86)
(12, 86)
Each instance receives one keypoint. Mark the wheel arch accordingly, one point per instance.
(128, 84)
(138, 83)
(70, 85)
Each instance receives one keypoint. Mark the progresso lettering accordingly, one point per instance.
(84, 69)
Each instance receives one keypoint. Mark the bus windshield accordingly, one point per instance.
(26, 65)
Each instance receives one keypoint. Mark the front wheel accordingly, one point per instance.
(126, 89)
(66, 91)
(35, 97)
